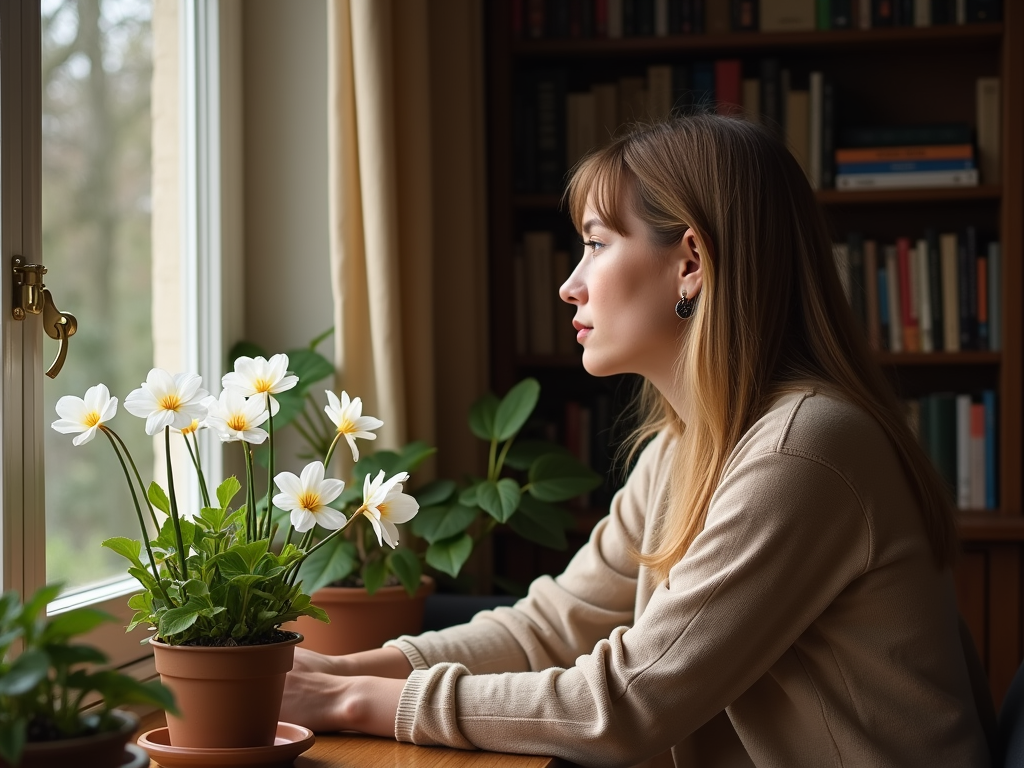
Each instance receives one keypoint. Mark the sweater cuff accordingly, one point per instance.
(411, 652)
(426, 709)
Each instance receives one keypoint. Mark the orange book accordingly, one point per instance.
(892, 154)
(908, 296)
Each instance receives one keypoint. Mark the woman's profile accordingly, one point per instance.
(772, 585)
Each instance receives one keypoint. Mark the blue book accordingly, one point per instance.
(906, 166)
(988, 399)
(703, 83)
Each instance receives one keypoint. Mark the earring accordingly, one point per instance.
(684, 307)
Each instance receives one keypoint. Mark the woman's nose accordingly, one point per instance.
(573, 290)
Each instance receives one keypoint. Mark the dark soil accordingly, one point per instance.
(277, 636)
(41, 729)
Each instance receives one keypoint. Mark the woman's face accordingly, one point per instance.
(625, 289)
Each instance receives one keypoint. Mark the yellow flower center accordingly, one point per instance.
(383, 509)
(310, 500)
(170, 402)
(346, 427)
(191, 427)
(91, 419)
(238, 422)
(262, 385)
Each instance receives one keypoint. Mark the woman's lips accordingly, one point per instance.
(582, 331)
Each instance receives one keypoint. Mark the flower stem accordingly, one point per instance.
(250, 496)
(138, 512)
(175, 520)
(267, 517)
(138, 477)
(330, 451)
(313, 442)
(198, 461)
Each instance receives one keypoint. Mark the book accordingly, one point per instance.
(922, 292)
(935, 288)
(905, 166)
(828, 140)
(661, 18)
(744, 16)
(549, 91)
(882, 276)
(601, 18)
(988, 399)
(659, 91)
(824, 14)
(987, 106)
(922, 13)
(913, 180)
(798, 121)
(892, 279)
(995, 298)
(702, 75)
(771, 94)
(963, 451)
(565, 334)
(983, 11)
(581, 128)
(907, 135)
(948, 251)
(969, 290)
(606, 112)
(871, 297)
(682, 95)
(632, 100)
(787, 15)
(751, 89)
(614, 19)
(842, 14)
(716, 17)
(728, 79)
(538, 251)
(908, 295)
(855, 256)
(982, 318)
(977, 455)
(901, 153)
(883, 13)
(814, 143)
(942, 433)
(535, 21)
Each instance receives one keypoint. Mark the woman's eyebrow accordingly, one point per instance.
(588, 225)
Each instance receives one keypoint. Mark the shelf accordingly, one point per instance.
(939, 358)
(896, 38)
(989, 526)
(832, 198)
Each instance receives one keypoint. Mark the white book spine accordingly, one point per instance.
(614, 18)
(924, 299)
(995, 297)
(963, 451)
(863, 13)
(661, 18)
(892, 278)
(909, 180)
(922, 13)
(817, 85)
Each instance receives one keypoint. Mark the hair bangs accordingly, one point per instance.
(600, 179)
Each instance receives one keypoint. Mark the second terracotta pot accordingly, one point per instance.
(228, 697)
(361, 621)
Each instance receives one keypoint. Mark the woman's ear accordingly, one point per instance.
(691, 275)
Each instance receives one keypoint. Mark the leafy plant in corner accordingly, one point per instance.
(43, 688)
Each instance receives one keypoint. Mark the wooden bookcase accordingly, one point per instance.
(897, 75)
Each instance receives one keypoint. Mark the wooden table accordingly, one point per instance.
(352, 750)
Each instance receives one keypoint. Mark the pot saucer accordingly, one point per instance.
(290, 742)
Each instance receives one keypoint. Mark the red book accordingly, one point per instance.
(600, 18)
(908, 295)
(729, 87)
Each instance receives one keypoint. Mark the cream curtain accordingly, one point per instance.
(406, 186)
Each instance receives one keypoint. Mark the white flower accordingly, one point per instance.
(85, 416)
(347, 417)
(258, 376)
(234, 418)
(307, 497)
(168, 401)
(384, 504)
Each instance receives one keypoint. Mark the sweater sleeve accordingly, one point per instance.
(784, 535)
(561, 617)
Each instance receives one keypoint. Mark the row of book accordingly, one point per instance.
(959, 433)
(581, 19)
(553, 127)
(939, 293)
(543, 321)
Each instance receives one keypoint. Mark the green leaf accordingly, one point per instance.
(12, 739)
(178, 619)
(69, 655)
(226, 491)
(374, 573)
(515, 408)
(158, 498)
(27, 671)
(524, 452)
(213, 517)
(332, 562)
(499, 499)
(469, 497)
(36, 604)
(406, 566)
(557, 477)
(413, 454)
(435, 493)
(437, 523)
(119, 689)
(127, 548)
(481, 417)
(310, 366)
(542, 523)
(316, 340)
(76, 622)
(245, 349)
(450, 555)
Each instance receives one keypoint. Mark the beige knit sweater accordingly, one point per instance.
(806, 625)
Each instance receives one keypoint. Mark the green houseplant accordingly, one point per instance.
(44, 686)
(214, 582)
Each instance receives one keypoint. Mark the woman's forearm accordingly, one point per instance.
(380, 662)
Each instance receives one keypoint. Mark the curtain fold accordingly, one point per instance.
(407, 239)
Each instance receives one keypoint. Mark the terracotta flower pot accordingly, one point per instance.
(361, 621)
(228, 697)
(101, 750)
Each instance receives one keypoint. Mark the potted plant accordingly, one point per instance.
(44, 686)
(215, 587)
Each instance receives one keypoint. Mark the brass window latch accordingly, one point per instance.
(31, 297)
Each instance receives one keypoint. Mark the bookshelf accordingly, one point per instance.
(895, 75)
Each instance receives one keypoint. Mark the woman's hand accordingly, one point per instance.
(328, 702)
(380, 662)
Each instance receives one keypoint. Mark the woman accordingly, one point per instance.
(772, 585)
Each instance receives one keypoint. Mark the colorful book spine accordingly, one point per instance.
(988, 399)
(905, 166)
(911, 180)
(907, 296)
(898, 153)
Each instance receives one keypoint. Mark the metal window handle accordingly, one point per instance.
(31, 297)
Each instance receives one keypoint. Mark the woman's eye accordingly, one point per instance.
(593, 245)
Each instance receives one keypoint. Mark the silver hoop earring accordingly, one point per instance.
(684, 307)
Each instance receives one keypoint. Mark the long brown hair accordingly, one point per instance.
(771, 315)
